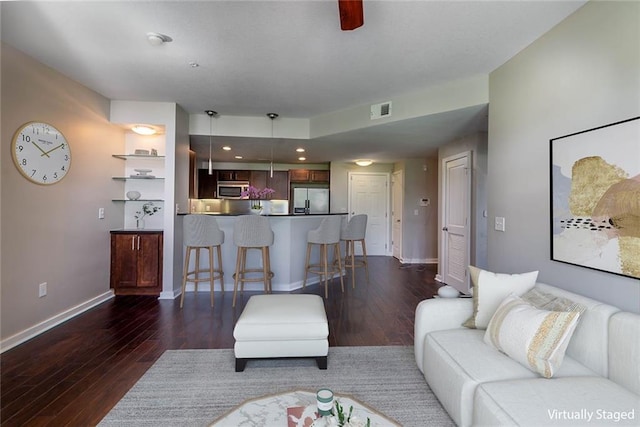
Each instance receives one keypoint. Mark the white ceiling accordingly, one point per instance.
(288, 57)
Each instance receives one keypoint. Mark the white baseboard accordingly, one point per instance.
(45, 325)
(439, 278)
(419, 260)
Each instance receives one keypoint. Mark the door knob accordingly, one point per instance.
(445, 229)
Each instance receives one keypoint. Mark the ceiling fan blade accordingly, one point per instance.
(351, 15)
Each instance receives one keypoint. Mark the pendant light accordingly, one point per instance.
(211, 115)
(272, 116)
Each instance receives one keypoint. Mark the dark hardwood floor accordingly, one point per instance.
(75, 373)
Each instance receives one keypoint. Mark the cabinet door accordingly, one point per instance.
(149, 261)
(226, 176)
(299, 175)
(280, 183)
(319, 176)
(259, 179)
(207, 184)
(124, 261)
(242, 175)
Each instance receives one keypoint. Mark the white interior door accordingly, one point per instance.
(456, 181)
(369, 194)
(397, 192)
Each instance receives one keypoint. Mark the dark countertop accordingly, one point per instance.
(239, 214)
(136, 230)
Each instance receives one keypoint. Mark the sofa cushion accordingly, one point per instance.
(456, 361)
(624, 350)
(535, 338)
(490, 289)
(590, 341)
(566, 401)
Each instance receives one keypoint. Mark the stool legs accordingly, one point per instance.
(324, 267)
(197, 270)
(242, 270)
(350, 259)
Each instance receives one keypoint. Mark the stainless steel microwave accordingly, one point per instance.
(232, 189)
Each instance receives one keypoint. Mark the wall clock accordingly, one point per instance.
(41, 153)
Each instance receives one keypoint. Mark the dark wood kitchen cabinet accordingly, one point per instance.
(136, 262)
(306, 175)
(279, 182)
(231, 175)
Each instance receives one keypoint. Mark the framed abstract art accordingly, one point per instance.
(595, 198)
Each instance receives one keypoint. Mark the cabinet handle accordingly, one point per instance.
(133, 242)
(138, 242)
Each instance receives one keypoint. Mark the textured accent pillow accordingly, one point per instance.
(535, 338)
(490, 289)
(547, 301)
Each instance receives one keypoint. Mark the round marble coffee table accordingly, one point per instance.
(293, 408)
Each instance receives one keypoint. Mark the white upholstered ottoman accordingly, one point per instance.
(274, 326)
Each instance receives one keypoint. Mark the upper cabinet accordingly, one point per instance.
(234, 175)
(306, 175)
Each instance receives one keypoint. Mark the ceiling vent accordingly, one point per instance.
(381, 110)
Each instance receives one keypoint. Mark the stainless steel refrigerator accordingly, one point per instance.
(310, 201)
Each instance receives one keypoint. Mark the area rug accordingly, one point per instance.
(194, 387)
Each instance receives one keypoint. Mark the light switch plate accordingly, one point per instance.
(500, 223)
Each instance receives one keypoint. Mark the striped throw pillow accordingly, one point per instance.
(535, 338)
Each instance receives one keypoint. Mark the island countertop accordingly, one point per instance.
(287, 253)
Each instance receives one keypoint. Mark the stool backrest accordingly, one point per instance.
(201, 230)
(328, 232)
(356, 228)
(252, 231)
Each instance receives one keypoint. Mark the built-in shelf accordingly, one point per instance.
(135, 156)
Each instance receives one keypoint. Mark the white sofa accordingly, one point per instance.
(598, 382)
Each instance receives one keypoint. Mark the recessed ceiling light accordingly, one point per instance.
(300, 150)
(143, 130)
(238, 157)
(302, 158)
(194, 64)
(226, 148)
(364, 162)
(157, 39)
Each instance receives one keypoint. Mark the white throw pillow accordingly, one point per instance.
(535, 338)
(490, 289)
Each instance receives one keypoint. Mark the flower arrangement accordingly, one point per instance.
(147, 209)
(254, 193)
(339, 418)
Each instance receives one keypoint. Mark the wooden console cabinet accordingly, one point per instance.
(136, 262)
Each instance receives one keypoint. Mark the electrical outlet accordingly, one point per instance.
(42, 290)
(100, 213)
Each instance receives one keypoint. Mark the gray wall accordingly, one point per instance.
(583, 73)
(52, 233)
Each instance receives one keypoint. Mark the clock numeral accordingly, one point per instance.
(44, 177)
(63, 168)
(20, 148)
(55, 175)
(33, 172)
(26, 138)
(66, 157)
(24, 162)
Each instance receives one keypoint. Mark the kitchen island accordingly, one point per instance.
(287, 253)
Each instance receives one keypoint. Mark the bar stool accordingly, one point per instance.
(355, 231)
(252, 232)
(202, 232)
(327, 234)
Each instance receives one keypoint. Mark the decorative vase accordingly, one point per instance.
(133, 195)
(256, 211)
(140, 224)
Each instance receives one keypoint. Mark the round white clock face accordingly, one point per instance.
(41, 153)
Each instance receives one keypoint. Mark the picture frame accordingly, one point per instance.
(595, 198)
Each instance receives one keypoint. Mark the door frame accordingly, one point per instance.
(387, 213)
(443, 247)
(397, 175)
